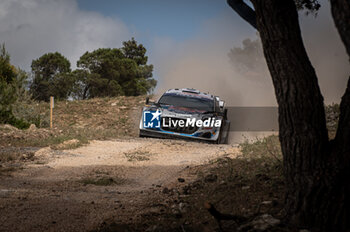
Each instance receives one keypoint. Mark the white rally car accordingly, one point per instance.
(186, 113)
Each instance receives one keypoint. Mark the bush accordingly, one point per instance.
(32, 113)
(262, 148)
(16, 108)
(7, 117)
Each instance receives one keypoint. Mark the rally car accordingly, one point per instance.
(186, 113)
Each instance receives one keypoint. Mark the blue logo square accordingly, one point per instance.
(151, 119)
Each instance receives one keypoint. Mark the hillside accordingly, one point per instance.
(84, 120)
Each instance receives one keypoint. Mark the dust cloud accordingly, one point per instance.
(203, 63)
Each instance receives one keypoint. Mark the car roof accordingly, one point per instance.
(190, 91)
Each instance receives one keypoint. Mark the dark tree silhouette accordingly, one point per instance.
(316, 168)
(341, 15)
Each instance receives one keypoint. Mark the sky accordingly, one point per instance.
(187, 41)
(176, 19)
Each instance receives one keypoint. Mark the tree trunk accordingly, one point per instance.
(315, 169)
(341, 16)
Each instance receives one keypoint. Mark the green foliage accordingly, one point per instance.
(108, 72)
(135, 52)
(7, 117)
(105, 72)
(32, 112)
(52, 77)
(7, 96)
(7, 79)
(11, 84)
(20, 84)
(7, 71)
(14, 98)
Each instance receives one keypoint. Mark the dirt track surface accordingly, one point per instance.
(77, 190)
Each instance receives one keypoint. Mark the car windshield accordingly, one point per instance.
(187, 101)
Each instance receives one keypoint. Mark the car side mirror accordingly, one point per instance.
(147, 100)
(221, 104)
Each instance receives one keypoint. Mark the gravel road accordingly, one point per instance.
(76, 190)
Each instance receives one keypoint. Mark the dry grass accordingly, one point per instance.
(267, 148)
(12, 159)
(93, 119)
(137, 155)
(9, 155)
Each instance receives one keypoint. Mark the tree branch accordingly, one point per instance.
(241, 8)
